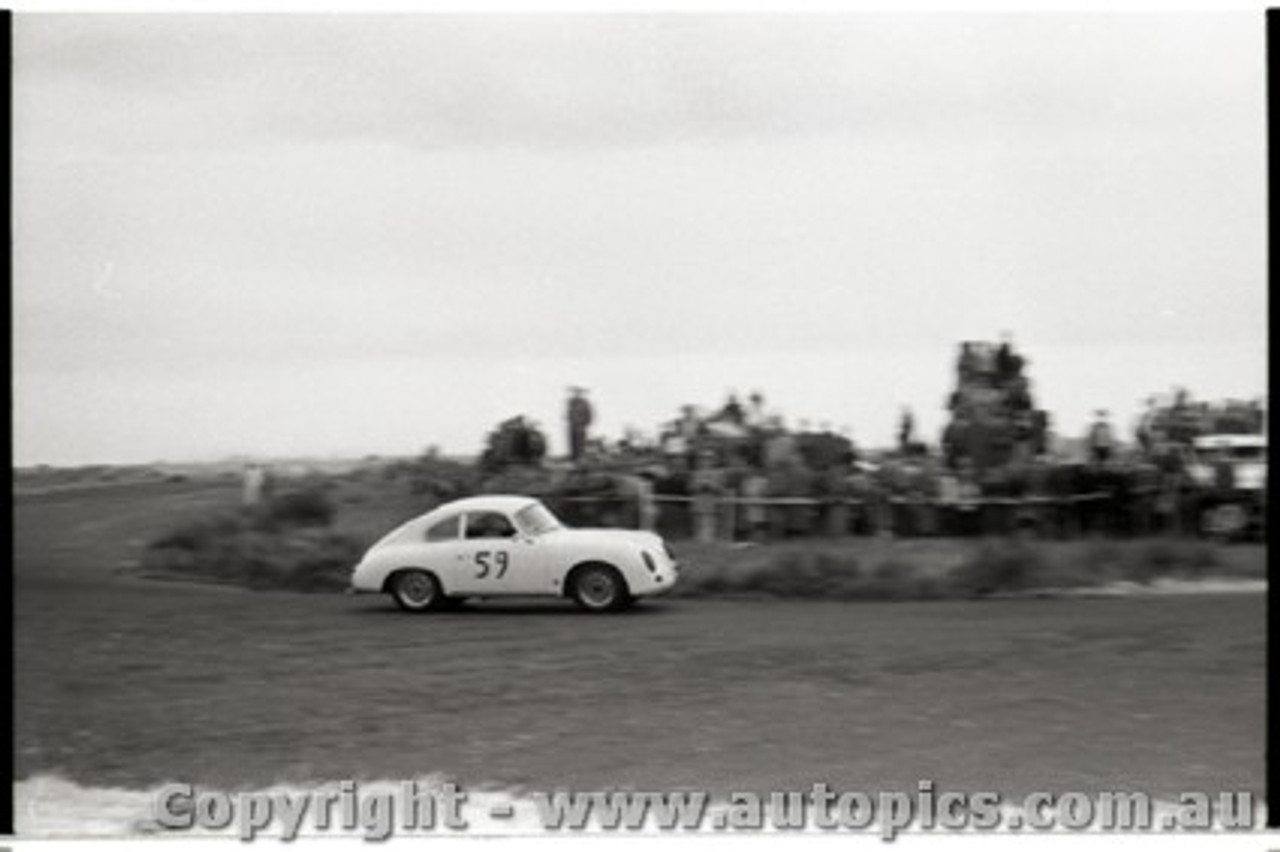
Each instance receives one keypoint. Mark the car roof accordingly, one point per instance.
(508, 503)
(1206, 442)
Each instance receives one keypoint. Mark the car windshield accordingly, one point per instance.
(537, 519)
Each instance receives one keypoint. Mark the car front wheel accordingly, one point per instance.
(600, 588)
(416, 591)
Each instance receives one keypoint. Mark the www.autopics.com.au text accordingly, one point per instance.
(378, 812)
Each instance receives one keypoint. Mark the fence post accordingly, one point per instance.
(837, 517)
(728, 517)
(646, 508)
(704, 514)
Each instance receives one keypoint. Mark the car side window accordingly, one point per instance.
(489, 525)
(445, 530)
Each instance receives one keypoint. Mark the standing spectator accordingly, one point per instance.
(707, 488)
(690, 429)
(1004, 359)
(1257, 415)
(922, 491)
(1019, 394)
(1144, 431)
(1168, 505)
(648, 508)
(861, 489)
(756, 418)
(955, 439)
(637, 488)
(985, 363)
(1144, 494)
(966, 363)
(1040, 437)
(948, 488)
(1036, 512)
(801, 517)
(1181, 428)
(893, 475)
(1101, 441)
(1009, 363)
(674, 443)
(780, 450)
(832, 490)
(786, 482)
(256, 485)
(732, 411)
(755, 487)
(969, 495)
(906, 430)
(579, 416)
(733, 471)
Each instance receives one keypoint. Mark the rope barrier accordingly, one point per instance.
(897, 500)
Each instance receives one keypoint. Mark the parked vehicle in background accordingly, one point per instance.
(1230, 473)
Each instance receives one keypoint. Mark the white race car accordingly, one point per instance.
(504, 545)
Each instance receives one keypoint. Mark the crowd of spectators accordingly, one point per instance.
(737, 472)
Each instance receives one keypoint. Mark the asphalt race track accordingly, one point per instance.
(130, 683)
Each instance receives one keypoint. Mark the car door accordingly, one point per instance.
(494, 559)
(443, 551)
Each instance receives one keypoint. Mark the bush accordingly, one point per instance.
(1203, 558)
(239, 549)
(840, 571)
(999, 565)
(514, 442)
(201, 534)
(1156, 559)
(897, 579)
(439, 478)
(870, 569)
(307, 507)
(1165, 558)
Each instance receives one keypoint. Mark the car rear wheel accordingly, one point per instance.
(600, 588)
(416, 591)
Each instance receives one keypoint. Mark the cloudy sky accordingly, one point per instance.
(348, 235)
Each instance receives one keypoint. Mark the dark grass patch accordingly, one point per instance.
(285, 543)
(998, 565)
(301, 559)
(927, 569)
(848, 569)
(307, 507)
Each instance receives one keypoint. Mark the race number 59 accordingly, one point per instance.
(488, 560)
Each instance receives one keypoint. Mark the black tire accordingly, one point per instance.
(599, 588)
(415, 590)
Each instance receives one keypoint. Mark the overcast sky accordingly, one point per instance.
(350, 235)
